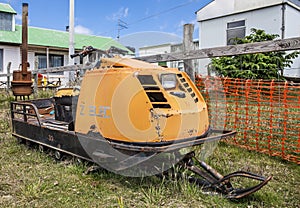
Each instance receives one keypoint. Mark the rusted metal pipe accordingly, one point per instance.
(24, 37)
(21, 84)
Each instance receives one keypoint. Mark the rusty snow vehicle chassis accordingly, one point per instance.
(131, 118)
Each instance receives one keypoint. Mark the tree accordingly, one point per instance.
(254, 66)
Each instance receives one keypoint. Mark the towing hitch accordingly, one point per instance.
(214, 181)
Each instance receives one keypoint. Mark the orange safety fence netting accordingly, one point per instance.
(266, 114)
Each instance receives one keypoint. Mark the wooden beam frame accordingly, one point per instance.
(249, 48)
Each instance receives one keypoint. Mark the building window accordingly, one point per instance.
(93, 57)
(54, 60)
(1, 60)
(5, 21)
(42, 61)
(235, 30)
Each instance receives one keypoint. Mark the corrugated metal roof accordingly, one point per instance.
(7, 8)
(59, 39)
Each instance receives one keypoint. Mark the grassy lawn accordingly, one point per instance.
(29, 178)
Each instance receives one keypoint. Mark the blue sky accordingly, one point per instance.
(100, 17)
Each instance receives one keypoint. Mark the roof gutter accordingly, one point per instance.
(283, 9)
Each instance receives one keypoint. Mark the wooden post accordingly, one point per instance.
(8, 76)
(35, 77)
(188, 46)
(24, 38)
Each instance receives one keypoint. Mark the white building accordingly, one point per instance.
(222, 20)
(168, 48)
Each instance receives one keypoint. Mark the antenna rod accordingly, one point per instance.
(71, 32)
(121, 25)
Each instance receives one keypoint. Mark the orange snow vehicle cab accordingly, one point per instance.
(133, 101)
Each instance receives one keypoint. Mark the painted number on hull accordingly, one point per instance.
(98, 111)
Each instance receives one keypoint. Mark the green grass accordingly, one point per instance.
(32, 179)
(29, 178)
(7, 96)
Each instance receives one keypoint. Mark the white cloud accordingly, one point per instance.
(179, 27)
(183, 22)
(125, 12)
(163, 26)
(121, 13)
(18, 19)
(82, 30)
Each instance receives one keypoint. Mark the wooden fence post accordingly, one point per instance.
(35, 77)
(8, 76)
(188, 46)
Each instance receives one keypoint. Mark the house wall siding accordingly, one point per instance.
(212, 33)
(13, 54)
(292, 29)
(146, 51)
(221, 8)
(10, 55)
(242, 5)
(292, 23)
